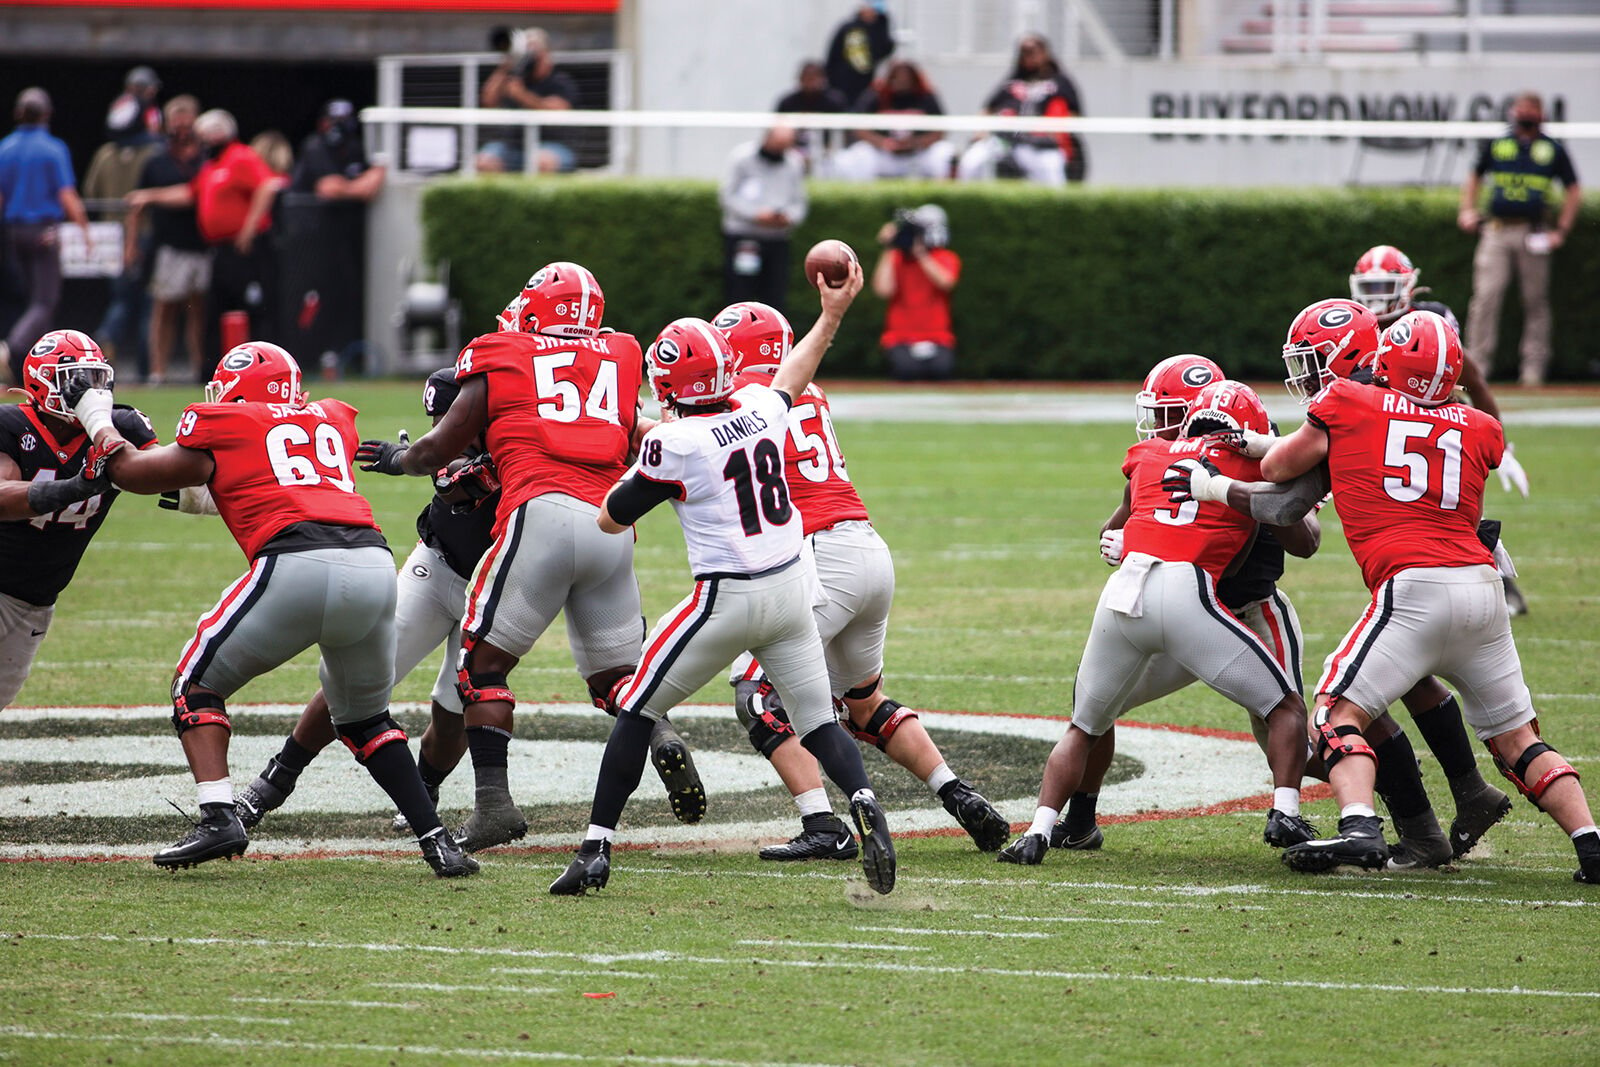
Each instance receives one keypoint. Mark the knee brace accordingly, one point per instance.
(478, 687)
(769, 725)
(367, 736)
(607, 701)
(885, 720)
(193, 708)
(862, 692)
(1517, 774)
(1341, 741)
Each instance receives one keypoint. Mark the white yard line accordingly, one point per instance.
(918, 932)
(856, 946)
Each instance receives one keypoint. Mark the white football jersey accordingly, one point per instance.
(735, 508)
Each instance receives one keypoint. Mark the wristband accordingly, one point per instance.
(1214, 489)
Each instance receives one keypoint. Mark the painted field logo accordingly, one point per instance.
(98, 780)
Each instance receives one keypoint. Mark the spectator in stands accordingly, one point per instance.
(1035, 88)
(37, 190)
(858, 46)
(136, 109)
(232, 196)
(763, 198)
(902, 153)
(275, 151)
(817, 96)
(915, 273)
(526, 78)
(179, 262)
(1522, 166)
(333, 160)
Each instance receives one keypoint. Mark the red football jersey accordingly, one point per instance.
(1209, 534)
(1407, 480)
(278, 465)
(813, 463)
(561, 411)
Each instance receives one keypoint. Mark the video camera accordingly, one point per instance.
(907, 230)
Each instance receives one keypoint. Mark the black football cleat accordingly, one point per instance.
(986, 826)
(1027, 850)
(589, 869)
(877, 848)
(1060, 837)
(218, 835)
(267, 793)
(447, 858)
(1360, 844)
(490, 825)
(1284, 830)
(822, 837)
(1474, 818)
(1588, 847)
(670, 757)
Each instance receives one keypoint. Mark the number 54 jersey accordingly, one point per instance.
(278, 464)
(1407, 480)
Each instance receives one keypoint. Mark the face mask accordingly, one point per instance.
(1527, 125)
(770, 156)
(211, 151)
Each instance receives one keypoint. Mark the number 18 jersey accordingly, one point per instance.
(727, 475)
(278, 464)
(1407, 480)
(819, 485)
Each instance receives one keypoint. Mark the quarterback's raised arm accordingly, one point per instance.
(796, 371)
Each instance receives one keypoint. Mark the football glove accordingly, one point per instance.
(470, 484)
(383, 456)
(1196, 479)
(94, 464)
(1253, 444)
(1511, 473)
(1111, 547)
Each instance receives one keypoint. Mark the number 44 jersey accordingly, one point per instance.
(1407, 480)
(278, 464)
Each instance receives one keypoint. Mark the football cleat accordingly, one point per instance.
(400, 824)
(1474, 818)
(670, 757)
(589, 869)
(1284, 830)
(267, 793)
(1588, 847)
(1410, 854)
(445, 856)
(1061, 837)
(987, 827)
(823, 836)
(877, 848)
(218, 835)
(1360, 844)
(491, 825)
(1027, 850)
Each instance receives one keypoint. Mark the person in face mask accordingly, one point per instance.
(763, 197)
(1521, 168)
(333, 161)
(232, 195)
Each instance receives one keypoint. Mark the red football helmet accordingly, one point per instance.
(1225, 406)
(57, 357)
(561, 299)
(1383, 280)
(1330, 339)
(1168, 389)
(256, 372)
(758, 334)
(1420, 358)
(691, 364)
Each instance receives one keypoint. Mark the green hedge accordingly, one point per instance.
(1086, 283)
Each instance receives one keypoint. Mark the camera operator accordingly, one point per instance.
(915, 273)
(526, 79)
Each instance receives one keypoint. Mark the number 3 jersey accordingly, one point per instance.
(1208, 534)
(278, 465)
(725, 477)
(561, 411)
(39, 556)
(1407, 480)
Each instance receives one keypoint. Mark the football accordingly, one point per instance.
(831, 259)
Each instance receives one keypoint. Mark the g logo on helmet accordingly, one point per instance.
(1334, 317)
(239, 359)
(1399, 333)
(666, 351)
(537, 279)
(727, 320)
(44, 346)
(1197, 376)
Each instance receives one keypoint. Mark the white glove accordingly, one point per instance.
(196, 500)
(93, 411)
(1202, 484)
(1255, 445)
(1111, 547)
(1511, 473)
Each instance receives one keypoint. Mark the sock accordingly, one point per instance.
(942, 775)
(1044, 820)
(1356, 809)
(1399, 782)
(489, 746)
(1286, 799)
(293, 756)
(1447, 739)
(1580, 831)
(600, 833)
(839, 756)
(813, 802)
(217, 792)
(395, 771)
(621, 767)
(1080, 813)
(432, 776)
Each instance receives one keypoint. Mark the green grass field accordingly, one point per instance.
(1184, 940)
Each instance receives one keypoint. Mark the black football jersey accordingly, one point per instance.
(1257, 577)
(461, 539)
(39, 556)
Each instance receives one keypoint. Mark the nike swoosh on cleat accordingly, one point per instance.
(38, 633)
(840, 845)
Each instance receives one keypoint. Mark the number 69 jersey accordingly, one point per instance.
(1407, 480)
(726, 476)
(278, 464)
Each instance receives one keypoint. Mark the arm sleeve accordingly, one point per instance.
(636, 494)
(1287, 503)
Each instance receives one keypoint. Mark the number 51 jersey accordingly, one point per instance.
(278, 464)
